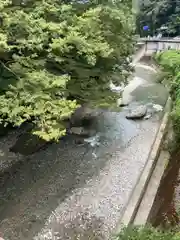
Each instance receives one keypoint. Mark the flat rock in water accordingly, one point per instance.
(137, 113)
(81, 131)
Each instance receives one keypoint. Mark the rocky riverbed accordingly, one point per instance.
(79, 191)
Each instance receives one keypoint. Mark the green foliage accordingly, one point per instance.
(170, 62)
(148, 233)
(55, 55)
(157, 14)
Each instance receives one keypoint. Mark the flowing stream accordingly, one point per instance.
(71, 191)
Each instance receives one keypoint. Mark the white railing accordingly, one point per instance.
(151, 46)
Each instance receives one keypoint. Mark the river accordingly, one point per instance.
(71, 191)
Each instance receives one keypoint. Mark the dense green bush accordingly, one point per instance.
(148, 233)
(169, 61)
(57, 54)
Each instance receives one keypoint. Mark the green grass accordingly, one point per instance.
(169, 62)
(148, 233)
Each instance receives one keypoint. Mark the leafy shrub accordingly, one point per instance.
(170, 61)
(148, 233)
(55, 55)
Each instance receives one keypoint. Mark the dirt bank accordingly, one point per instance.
(164, 209)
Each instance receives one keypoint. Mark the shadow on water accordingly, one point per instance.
(33, 188)
(163, 212)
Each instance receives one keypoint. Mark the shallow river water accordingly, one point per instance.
(71, 191)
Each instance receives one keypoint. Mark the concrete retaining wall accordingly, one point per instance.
(139, 54)
(155, 168)
(152, 46)
(141, 201)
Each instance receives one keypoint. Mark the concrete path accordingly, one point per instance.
(80, 192)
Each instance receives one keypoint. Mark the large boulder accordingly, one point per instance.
(137, 113)
(83, 116)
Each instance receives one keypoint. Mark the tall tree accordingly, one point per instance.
(158, 14)
(57, 54)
